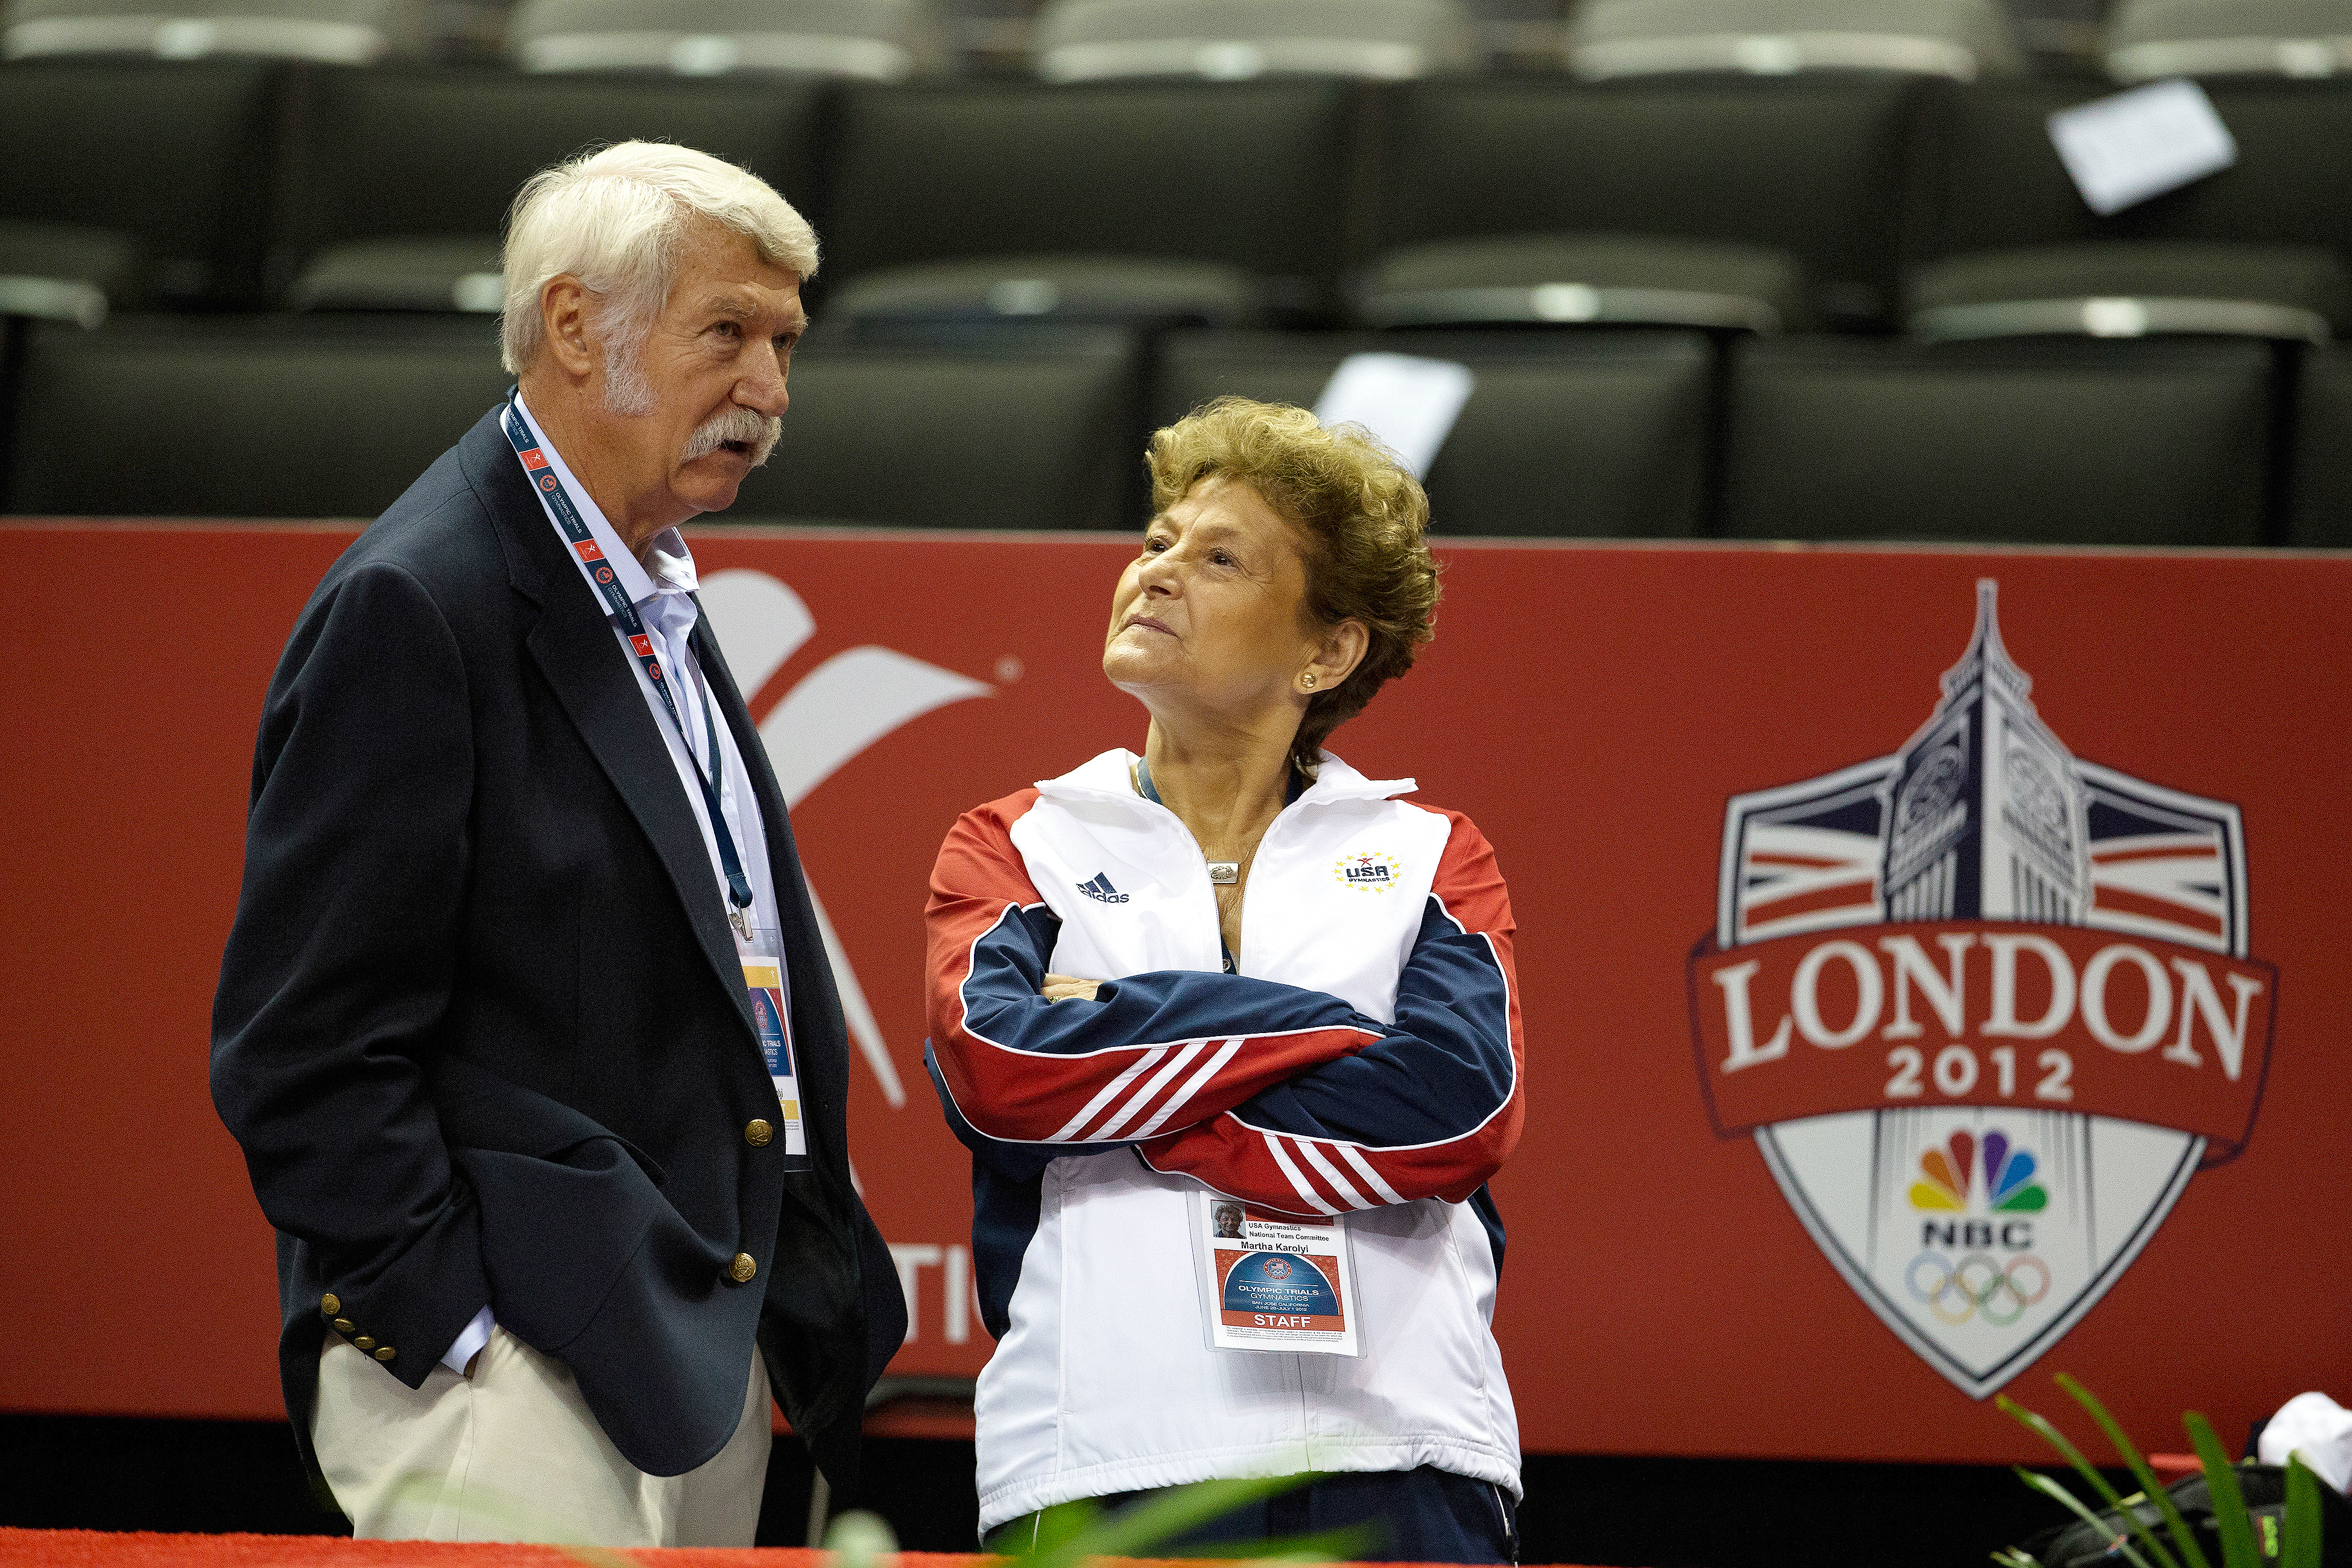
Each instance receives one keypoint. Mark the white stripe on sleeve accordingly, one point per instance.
(1225, 1053)
(1340, 1183)
(1108, 1093)
(1296, 1180)
(1355, 1157)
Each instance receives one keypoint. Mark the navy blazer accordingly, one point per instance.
(481, 1028)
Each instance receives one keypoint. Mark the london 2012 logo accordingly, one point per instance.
(1985, 1009)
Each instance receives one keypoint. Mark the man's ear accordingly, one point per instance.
(563, 312)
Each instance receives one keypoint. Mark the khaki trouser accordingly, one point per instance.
(512, 1452)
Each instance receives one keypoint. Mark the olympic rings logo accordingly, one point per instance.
(1978, 1283)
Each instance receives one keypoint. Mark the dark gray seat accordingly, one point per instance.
(875, 41)
(2068, 442)
(1578, 279)
(65, 272)
(1600, 435)
(1228, 40)
(243, 417)
(1029, 427)
(2128, 288)
(401, 179)
(1134, 291)
(1251, 177)
(1813, 167)
(1962, 39)
(2151, 39)
(1996, 185)
(343, 32)
(2320, 514)
(169, 163)
(2058, 36)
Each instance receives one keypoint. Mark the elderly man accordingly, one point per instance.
(525, 1024)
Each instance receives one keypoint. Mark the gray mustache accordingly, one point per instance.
(735, 424)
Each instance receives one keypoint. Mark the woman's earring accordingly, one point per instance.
(1308, 680)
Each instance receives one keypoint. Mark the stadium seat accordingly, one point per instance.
(401, 178)
(1598, 435)
(1071, 290)
(988, 428)
(2059, 37)
(1519, 34)
(1232, 40)
(1813, 168)
(1997, 183)
(1579, 279)
(2078, 442)
(172, 160)
(992, 35)
(337, 32)
(1251, 177)
(2128, 289)
(2320, 514)
(254, 418)
(64, 272)
(875, 40)
(2151, 39)
(1962, 39)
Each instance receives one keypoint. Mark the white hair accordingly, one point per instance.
(614, 219)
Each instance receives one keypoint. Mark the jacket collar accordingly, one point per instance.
(574, 648)
(1105, 778)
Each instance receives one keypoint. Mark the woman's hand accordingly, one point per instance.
(1068, 988)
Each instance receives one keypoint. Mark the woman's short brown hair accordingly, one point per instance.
(1362, 524)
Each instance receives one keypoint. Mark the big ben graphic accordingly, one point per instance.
(1980, 1234)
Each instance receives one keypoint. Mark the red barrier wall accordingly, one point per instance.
(1595, 710)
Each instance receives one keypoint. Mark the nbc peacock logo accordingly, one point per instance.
(1976, 1256)
(1985, 1009)
(1946, 1177)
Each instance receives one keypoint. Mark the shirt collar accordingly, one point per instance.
(1106, 778)
(668, 566)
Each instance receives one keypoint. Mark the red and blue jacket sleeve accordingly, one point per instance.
(1430, 1109)
(1149, 1054)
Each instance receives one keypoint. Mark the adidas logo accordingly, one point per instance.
(1099, 890)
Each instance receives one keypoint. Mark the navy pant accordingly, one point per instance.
(1426, 1515)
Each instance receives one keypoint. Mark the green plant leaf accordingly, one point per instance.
(1133, 1531)
(2178, 1527)
(2073, 1455)
(2303, 1520)
(1061, 1523)
(2230, 1519)
(2049, 1488)
(2010, 1557)
(1345, 1544)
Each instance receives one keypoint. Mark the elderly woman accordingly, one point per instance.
(1234, 970)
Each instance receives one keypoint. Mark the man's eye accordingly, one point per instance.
(728, 329)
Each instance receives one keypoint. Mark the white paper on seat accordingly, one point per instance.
(1409, 403)
(2134, 145)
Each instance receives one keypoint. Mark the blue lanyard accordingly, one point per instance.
(616, 599)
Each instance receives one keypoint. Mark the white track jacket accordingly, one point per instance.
(1365, 1060)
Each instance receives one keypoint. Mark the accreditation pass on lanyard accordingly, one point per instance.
(765, 976)
(1273, 1282)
